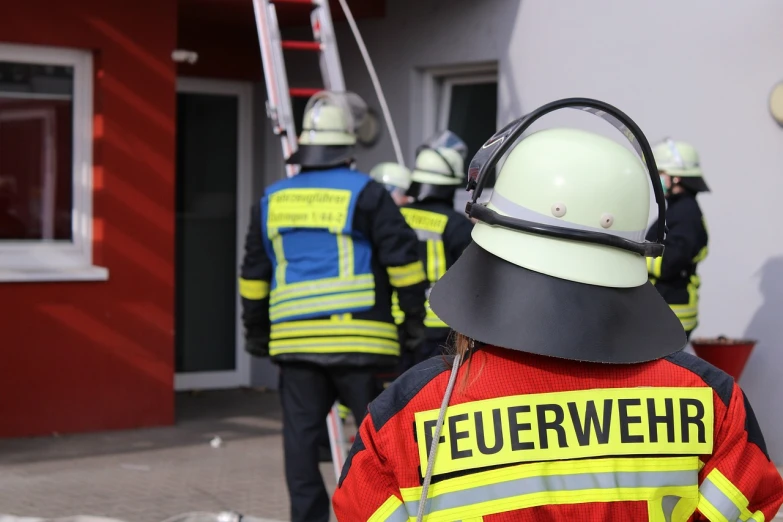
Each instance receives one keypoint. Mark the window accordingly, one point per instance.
(46, 165)
(468, 107)
(463, 100)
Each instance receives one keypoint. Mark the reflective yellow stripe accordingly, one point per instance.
(324, 286)
(341, 254)
(425, 220)
(277, 246)
(352, 344)
(655, 511)
(343, 410)
(397, 313)
(436, 260)
(407, 275)
(684, 310)
(253, 289)
(326, 304)
(720, 500)
(390, 511)
(689, 324)
(557, 482)
(440, 264)
(431, 320)
(430, 265)
(671, 508)
(345, 256)
(333, 327)
(654, 266)
(683, 509)
(688, 313)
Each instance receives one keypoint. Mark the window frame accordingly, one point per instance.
(446, 86)
(62, 260)
(436, 88)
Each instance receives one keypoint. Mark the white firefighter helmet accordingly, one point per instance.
(439, 166)
(392, 175)
(571, 178)
(557, 264)
(329, 129)
(680, 159)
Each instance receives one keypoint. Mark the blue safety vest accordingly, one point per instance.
(322, 266)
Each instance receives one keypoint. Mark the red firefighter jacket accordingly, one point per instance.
(533, 438)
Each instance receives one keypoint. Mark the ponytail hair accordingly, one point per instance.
(467, 349)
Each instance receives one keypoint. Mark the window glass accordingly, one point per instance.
(36, 142)
(473, 115)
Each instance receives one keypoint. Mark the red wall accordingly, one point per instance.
(99, 355)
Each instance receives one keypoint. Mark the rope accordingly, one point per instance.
(375, 82)
(434, 448)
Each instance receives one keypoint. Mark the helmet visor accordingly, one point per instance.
(446, 140)
(353, 107)
(491, 152)
(502, 140)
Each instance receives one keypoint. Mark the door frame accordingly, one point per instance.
(240, 376)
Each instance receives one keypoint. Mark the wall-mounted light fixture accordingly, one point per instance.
(184, 56)
(776, 103)
(369, 132)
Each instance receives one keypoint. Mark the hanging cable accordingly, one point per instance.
(375, 82)
(425, 486)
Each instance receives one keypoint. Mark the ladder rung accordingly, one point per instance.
(303, 92)
(300, 2)
(301, 46)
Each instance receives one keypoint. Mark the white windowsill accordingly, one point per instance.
(51, 275)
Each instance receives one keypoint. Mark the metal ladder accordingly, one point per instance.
(279, 94)
(280, 111)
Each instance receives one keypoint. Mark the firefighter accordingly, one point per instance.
(443, 232)
(395, 178)
(323, 252)
(569, 396)
(674, 274)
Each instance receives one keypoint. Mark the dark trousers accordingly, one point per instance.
(307, 393)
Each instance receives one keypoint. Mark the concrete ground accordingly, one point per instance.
(148, 475)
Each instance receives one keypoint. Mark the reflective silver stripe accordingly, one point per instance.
(720, 501)
(316, 344)
(286, 330)
(424, 235)
(321, 287)
(529, 485)
(514, 210)
(331, 303)
(346, 261)
(668, 503)
(399, 515)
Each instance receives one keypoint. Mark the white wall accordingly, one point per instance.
(414, 36)
(700, 71)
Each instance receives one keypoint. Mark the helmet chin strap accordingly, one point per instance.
(436, 435)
